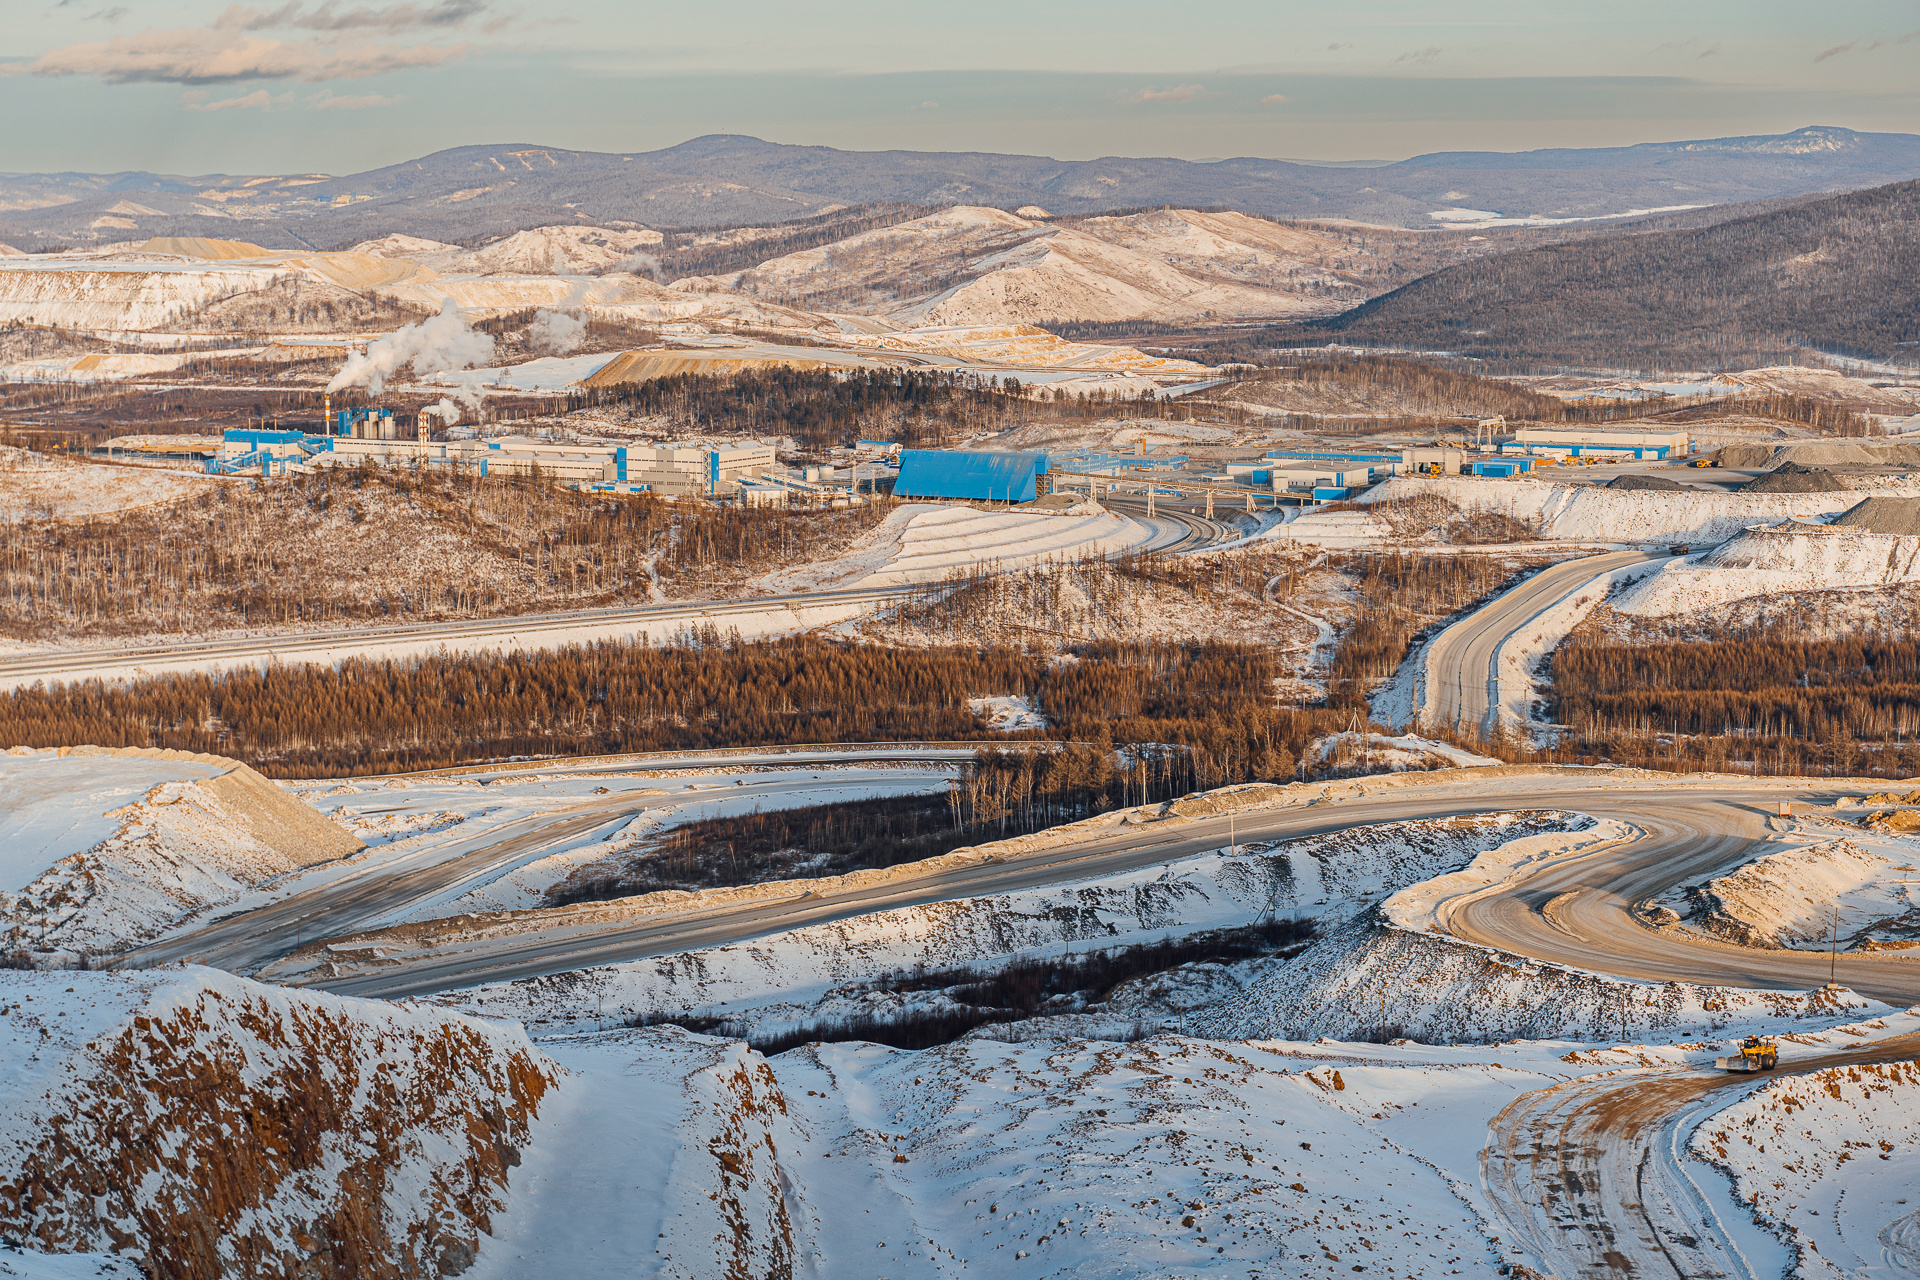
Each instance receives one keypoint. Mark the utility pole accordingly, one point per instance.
(1833, 948)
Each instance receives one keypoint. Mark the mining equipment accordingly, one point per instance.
(1755, 1055)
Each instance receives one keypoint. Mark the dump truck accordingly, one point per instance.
(1755, 1055)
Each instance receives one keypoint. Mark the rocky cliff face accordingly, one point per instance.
(207, 1126)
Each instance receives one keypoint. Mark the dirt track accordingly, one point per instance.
(1591, 1182)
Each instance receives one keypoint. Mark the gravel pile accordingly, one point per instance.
(1900, 516)
(1660, 483)
(1791, 477)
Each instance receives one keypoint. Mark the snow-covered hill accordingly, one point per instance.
(108, 848)
(1771, 560)
(969, 266)
(204, 1125)
(554, 251)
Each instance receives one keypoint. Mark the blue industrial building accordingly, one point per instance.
(976, 474)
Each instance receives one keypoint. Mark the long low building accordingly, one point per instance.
(1582, 442)
(668, 470)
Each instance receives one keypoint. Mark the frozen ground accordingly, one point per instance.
(1573, 513)
(1831, 1162)
(107, 849)
(52, 807)
(422, 822)
(930, 542)
(33, 487)
(1774, 560)
(1008, 712)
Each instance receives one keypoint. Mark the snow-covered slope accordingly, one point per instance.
(927, 542)
(1590, 513)
(205, 1125)
(969, 265)
(1810, 889)
(1769, 560)
(554, 251)
(34, 486)
(109, 848)
(1831, 1162)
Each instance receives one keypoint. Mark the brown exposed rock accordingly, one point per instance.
(234, 1130)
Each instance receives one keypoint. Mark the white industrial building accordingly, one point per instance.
(1599, 442)
(667, 470)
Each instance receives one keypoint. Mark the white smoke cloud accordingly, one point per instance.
(439, 344)
(641, 264)
(556, 332)
(446, 410)
(560, 330)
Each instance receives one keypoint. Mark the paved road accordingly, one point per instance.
(1461, 664)
(1575, 913)
(1173, 531)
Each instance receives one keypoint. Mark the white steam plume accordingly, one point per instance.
(435, 345)
(446, 410)
(560, 330)
(641, 264)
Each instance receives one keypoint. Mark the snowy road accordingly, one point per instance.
(1476, 665)
(1572, 911)
(1592, 1182)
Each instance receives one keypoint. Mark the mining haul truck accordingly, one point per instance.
(1755, 1055)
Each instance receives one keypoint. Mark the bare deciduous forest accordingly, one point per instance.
(1771, 703)
(361, 544)
(1210, 706)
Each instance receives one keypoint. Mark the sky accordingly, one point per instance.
(339, 86)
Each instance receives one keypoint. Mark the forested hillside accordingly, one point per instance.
(1840, 274)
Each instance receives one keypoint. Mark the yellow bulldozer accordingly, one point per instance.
(1755, 1055)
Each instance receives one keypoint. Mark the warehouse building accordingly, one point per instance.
(668, 470)
(1581, 442)
(981, 475)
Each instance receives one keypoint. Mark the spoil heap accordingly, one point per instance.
(1658, 483)
(1897, 516)
(1791, 477)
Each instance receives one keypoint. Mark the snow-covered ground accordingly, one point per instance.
(930, 542)
(1831, 1162)
(106, 849)
(1775, 559)
(36, 487)
(1008, 712)
(1576, 513)
(266, 1120)
(422, 822)
(1819, 882)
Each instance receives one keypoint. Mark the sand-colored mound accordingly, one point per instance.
(201, 247)
(640, 366)
(1897, 516)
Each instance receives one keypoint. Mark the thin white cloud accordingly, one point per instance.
(328, 17)
(1179, 93)
(258, 100)
(355, 102)
(197, 55)
(1273, 99)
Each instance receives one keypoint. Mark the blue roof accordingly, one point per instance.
(957, 473)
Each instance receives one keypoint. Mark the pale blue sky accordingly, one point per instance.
(192, 86)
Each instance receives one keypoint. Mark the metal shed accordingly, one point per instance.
(977, 474)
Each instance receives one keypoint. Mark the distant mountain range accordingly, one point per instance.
(1838, 274)
(468, 194)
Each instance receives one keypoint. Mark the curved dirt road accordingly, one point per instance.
(1574, 912)
(1592, 1181)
